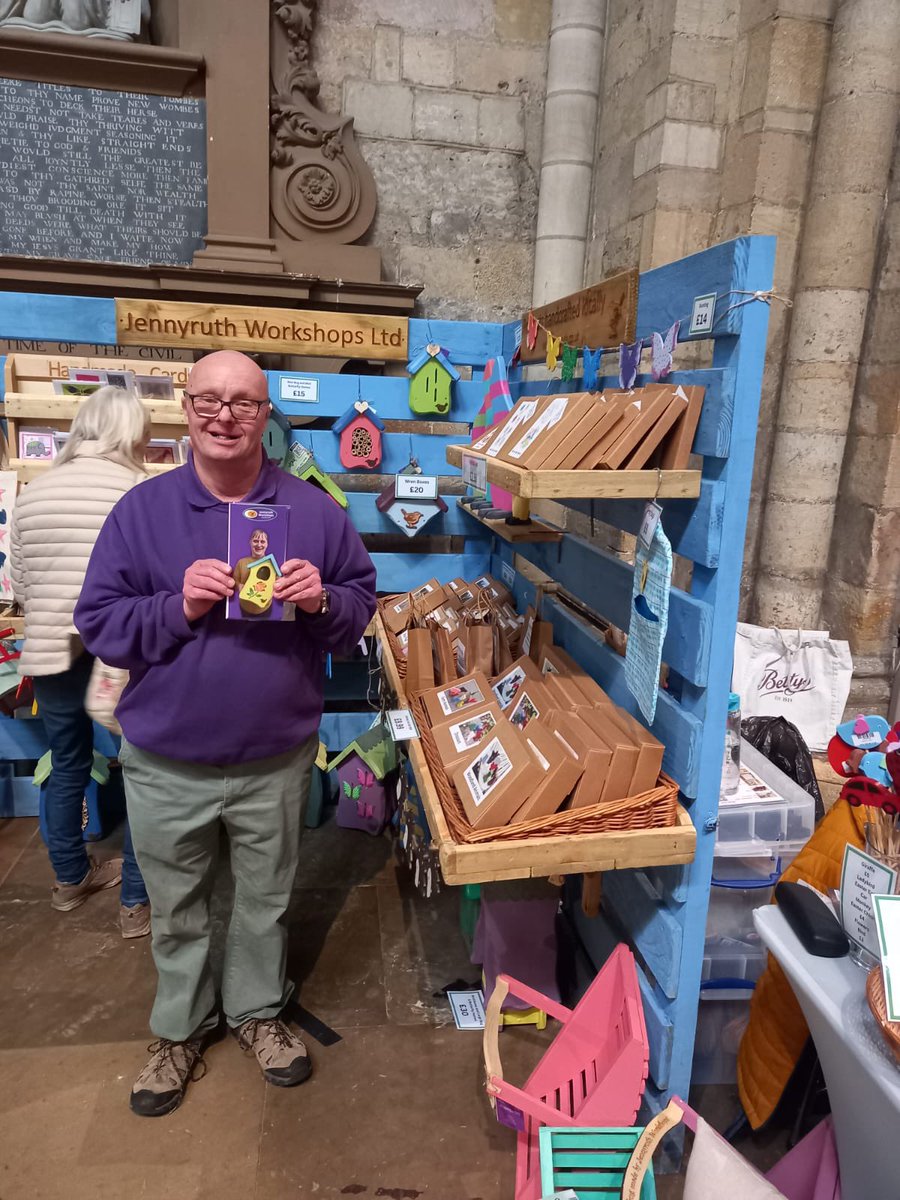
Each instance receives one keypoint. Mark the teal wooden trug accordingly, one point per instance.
(591, 1161)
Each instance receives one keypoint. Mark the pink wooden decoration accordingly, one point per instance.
(596, 1065)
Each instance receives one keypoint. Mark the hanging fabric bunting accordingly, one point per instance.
(531, 335)
(569, 360)
(591, 367)
(629, 360)
(662, 351)
(553, 347)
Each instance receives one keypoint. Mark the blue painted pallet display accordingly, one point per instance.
(662, 910)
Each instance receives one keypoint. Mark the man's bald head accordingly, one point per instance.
(238, 370)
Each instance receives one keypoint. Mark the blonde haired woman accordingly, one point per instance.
(55, 524)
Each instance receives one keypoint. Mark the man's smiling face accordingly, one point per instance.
(220, 439)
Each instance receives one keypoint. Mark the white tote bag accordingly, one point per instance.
(802, 675)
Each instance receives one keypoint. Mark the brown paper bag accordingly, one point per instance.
(503, 656)
(479, 643)
(538, 634)
(443, 656)
(419, 662)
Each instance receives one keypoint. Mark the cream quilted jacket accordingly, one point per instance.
(55, 524)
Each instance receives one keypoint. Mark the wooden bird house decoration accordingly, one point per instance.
(360, 432)
(410, 516)
(431, 377)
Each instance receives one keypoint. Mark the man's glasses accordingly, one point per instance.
(205, 404)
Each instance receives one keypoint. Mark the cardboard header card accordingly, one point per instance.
(561, 415)
(525, 411)
(533, 703)
(495, 783)
(650, 750)
(624, 752)
(576, 438)
(459, 739)
(557, 771)
(506, 687)
(591, 751)
(448, 701)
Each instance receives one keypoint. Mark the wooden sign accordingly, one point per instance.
(266, 330)
(602, 315)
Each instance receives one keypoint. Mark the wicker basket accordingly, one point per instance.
(655, 809)
(878, 1005)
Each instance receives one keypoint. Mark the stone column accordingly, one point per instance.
(574, 65)
(850, 172)
(233, 37)
(862, 599)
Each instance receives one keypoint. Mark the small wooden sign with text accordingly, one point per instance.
(602, 315)
(269, 330)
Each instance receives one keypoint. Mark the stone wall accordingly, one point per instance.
(447, 102)
(864, 564)
(709, 121)
(707, 127)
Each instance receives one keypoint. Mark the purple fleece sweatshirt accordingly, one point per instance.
(217, 691)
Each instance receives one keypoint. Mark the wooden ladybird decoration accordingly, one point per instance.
(431, 376)
(360, 432)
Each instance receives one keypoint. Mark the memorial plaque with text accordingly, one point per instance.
(101, 176)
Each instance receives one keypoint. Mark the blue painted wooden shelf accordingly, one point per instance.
(572, 485)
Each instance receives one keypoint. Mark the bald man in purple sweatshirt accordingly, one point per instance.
(220, 717)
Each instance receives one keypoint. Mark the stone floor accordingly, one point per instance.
(395, 1109)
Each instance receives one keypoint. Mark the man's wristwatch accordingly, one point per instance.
(325, 603)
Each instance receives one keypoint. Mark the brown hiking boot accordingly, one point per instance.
(66, 896)
(160, 1087)
(134, 920)
(282, 1056)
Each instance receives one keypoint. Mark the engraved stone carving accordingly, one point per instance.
(121, 19)
(321, 188)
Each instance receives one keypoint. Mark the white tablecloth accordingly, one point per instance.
(862, 1075)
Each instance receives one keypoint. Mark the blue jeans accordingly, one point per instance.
(70, 733)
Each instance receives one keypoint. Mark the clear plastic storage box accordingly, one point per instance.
(766, 826)
(721, 1020)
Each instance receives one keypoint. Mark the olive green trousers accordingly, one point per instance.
(177, 811)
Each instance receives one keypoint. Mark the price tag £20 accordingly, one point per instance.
(474, 471)
(416, 487)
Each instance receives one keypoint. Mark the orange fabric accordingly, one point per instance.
(777, 1030)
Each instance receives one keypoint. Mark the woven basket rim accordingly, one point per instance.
(655, 809)
(878, 1006)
